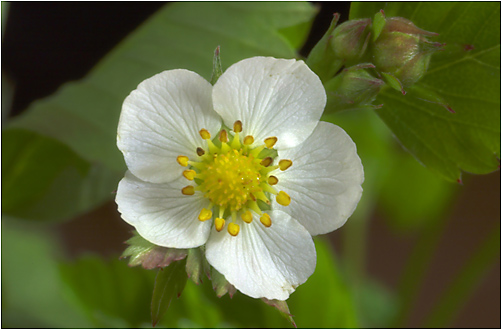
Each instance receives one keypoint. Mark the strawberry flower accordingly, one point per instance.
(244, 168)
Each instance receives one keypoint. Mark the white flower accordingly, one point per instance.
(254, 195)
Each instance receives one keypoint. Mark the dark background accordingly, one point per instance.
(47, 44)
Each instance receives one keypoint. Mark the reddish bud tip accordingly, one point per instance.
(449, 108)
(383, 13)
(459, 181)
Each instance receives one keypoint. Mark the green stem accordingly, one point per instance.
(354, 243)
(414, 270)
(470, 275)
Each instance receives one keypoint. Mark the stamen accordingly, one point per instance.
(254, 206)
(233, 229)
(284, 164)
(268, 188)
(204, 133)
(182, 160)
(219, 223)
(223, 136)
(200, 151)
(188, 190)
(238, 126)
(189, 174)
(266, 161)
(283, 198)
(261, 196)
(272, 180)
(205, 214)
(270, 142)
(212, 148)
(265, 220)
(248, 140)
(247, 217)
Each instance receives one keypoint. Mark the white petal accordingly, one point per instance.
(272, 97)
(161, 120)
(161, 213)
(324, 182)
(264, 262)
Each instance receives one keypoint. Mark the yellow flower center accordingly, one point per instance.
(235, 178)
(231, 179)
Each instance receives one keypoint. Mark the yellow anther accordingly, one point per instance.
(266, 161)
(219, 223)
(189, 174)
(205, 214)
(204, 133)
(223, 136)
(188, 190)
(238, 126)
(272, 180)
(284, 164)
(270, 142)
(233, 229)
(265, 220)
(283, 198)
(200, 151)
(248, 140)
(247, 216)
(182, 160)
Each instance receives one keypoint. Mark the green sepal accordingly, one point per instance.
(170, 282)
(148, 255)
(220, 284)
(197, 265)
(217, 71)
(393, 82)
(282, 307)
(322, 58)
(378, 24)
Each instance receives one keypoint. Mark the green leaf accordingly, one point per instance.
(32, 293)
(170, 282)
(466, 75)
(423, 197)
(84, 115)
(324, 301)
(44, 180)
(110, 293)
(379, 306)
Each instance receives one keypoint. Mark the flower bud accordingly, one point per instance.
(403, 50)
(353, 88)
(350, 39)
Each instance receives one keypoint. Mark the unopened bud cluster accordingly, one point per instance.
(357, 58)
